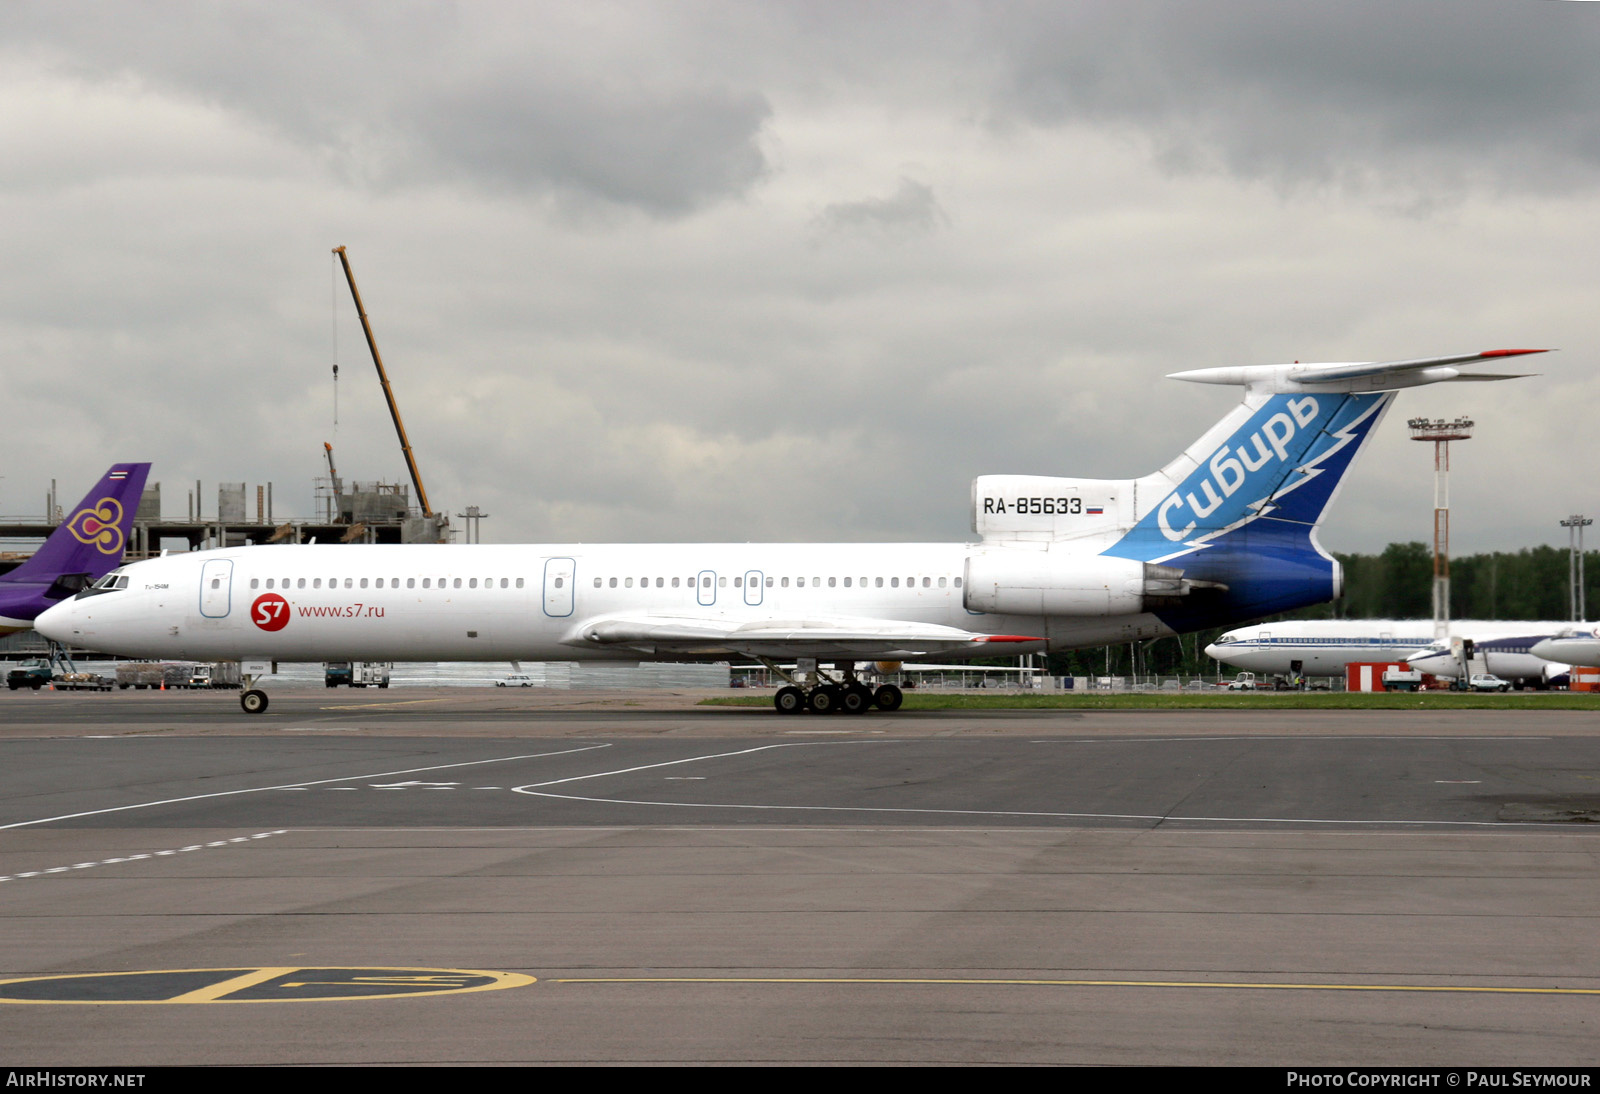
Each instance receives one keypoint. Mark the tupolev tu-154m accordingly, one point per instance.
(1225, 533)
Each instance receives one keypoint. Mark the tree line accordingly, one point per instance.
(1397, 583)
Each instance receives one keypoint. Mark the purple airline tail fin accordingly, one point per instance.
(91, 539)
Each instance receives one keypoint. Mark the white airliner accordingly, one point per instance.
(1573, 644)
(1324, 647)
(1225, 532)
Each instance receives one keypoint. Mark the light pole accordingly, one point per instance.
(1441, 433)
(1575, 525)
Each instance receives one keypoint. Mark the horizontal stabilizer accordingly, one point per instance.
(1355, 376)
(1323, 374)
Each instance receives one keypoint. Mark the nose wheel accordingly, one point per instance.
(253, 701)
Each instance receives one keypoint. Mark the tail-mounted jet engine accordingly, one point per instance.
(1015, 581)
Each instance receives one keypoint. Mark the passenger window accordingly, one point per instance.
(738, 583)
(722, 583)
(958, 583)
(300, 584)
(411, 583)
(349, 583)
(661, 581)
(613, 583)
(427, 582)
(878, 582)
(255, 582)
(941, 583)
(363, 583)
(627, 583)
(785, 583)
(674, 583)
(832, 581)
(769, 582)
(505, 584)
(894, 583)
(519, 583)
(597, 583)
(269, 583)
(472, 583)
(846, 582)
(927, 582)
(379, 583)
(457, 583)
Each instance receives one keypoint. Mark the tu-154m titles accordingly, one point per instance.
(1224, 533)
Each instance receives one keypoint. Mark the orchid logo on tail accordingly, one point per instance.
(97, 526)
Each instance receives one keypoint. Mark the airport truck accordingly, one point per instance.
(356, 674)
(1402, 679)
(29, 674)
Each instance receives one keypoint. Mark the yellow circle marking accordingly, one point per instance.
(1234, 985)
(267, 984)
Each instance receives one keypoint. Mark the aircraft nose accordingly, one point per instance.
(55, 623)
(1545, 648)
(1211, 652)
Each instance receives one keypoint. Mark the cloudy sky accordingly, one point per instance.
(799, 271)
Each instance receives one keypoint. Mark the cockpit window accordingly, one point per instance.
(115, 581)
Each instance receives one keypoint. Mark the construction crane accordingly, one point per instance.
(388, 393)
(333, 476)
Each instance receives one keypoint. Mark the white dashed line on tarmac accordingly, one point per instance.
(141, 856)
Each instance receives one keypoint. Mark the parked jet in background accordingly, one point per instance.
(1574, 644)
(1504, 652)
(82, 549)
(1324, 647)
(1225, 532)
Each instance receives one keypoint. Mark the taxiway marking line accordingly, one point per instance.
(396, 703)
(212, 992)
(1264, 985)
(296, 786)
(530, 788)
(118, 859)
(1158, 817)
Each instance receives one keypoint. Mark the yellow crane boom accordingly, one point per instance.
(388, 392)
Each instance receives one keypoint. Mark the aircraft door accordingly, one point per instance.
(753, 591)
(706, 592)
(216, 588)
(558, 587)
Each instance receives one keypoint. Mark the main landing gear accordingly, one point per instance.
(848, 696)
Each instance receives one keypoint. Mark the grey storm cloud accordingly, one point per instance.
(1300, 90)
(527, 101)
(911, 209)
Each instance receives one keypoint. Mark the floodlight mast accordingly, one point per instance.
(388, 393)
(1575, 524)
(1441, 433)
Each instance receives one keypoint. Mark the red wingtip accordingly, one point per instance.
(1509, 352)
(1009, 638)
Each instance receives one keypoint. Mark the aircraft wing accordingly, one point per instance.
(831, 637)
